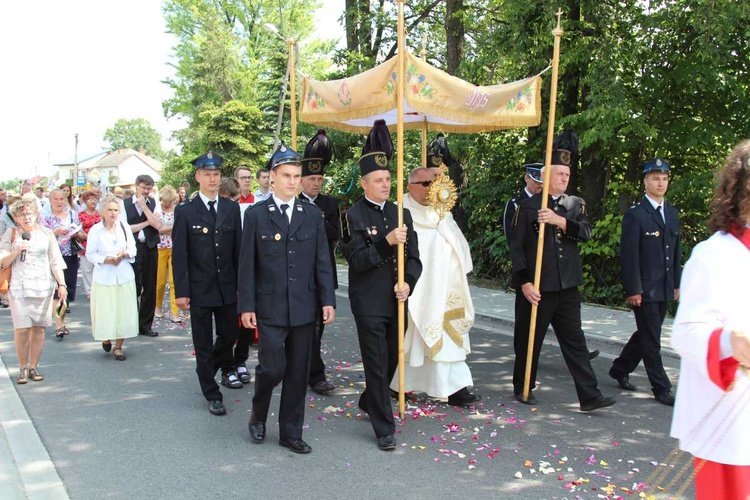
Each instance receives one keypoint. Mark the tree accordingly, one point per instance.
(135, 134)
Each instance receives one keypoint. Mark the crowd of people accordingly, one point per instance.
(259, 267)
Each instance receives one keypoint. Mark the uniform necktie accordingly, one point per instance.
(284, 208)
(659, 210)
(212, 209)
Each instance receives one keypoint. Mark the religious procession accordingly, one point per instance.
(254, 277)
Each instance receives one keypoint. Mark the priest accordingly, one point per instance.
(441, 312)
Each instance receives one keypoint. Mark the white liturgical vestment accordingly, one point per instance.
(441, 312)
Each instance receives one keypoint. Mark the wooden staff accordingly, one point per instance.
(400, 76)
(558, 33)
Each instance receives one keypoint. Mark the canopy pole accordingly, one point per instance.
(400, 200)
(423, 55)
(557, 33)
(292, 91)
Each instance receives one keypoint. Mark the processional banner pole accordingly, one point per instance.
(401, 75)
(557, 33)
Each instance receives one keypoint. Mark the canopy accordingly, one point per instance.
(446, 103)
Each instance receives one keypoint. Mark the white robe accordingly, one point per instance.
(441, 312)
(713, 295)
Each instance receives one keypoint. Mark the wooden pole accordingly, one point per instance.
(401, 75)
(558, 33)
(423, 55)
(292, 91)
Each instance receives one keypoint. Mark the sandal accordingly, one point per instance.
(60, 333)
(65, 330)
(107, 346)
(119, 357)
(21, 376)
(35, 375)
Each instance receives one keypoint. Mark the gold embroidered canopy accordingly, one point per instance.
(445, 102)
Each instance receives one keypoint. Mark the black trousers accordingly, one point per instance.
(378, 343)
(71, 276)
(317, 367)
(211, 355)
(283, 355)
(645, 344)
(563, 310)
(242, 348)
(146, 264)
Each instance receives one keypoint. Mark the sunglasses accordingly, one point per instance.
(423, 183)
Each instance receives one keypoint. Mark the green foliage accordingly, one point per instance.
(11, 185)
(230, 130)
(135, 134)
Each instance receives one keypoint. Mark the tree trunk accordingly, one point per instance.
(352, 25)
(454, 35)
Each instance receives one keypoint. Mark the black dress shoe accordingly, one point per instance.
(216, 407)
(231, 380)
(530, 401)
(665, 398)
(323, 387)
(463, 398)
(149, 333)
(297, 445)
(593, 354)
(387, 442)
(597, 402)
(243, 374)
(622, 380)
(257, 429)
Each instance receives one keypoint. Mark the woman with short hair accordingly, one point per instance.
(168, 198)
(64, 223)
(88, 217)
(37, 270)
(114, 306)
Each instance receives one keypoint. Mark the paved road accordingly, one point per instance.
(140, 428)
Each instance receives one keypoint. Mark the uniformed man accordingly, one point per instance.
(558, 299)
(533, 180)
(534, 185)
(286, 277)
(206, 240)
(651, 268)
(371, 235)
(317, 157)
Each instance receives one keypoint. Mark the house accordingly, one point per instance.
(118, 167)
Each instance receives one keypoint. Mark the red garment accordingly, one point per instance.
(715, 481)
(87, 221)
(247, 199)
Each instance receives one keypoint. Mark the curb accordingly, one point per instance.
(31, 470)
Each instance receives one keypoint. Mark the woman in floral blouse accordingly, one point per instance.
(88, 217)
(169, 198)
(64, 223)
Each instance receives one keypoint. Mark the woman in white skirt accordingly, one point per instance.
(114, 307)
(37, 271)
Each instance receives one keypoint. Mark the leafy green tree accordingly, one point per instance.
(135, 134)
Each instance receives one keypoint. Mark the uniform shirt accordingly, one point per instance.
(280, 202)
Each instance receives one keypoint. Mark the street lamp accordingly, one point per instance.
(290, 74)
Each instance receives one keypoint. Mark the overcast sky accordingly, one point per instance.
(77, 66)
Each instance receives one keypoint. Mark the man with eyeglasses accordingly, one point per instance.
(245, 177)
(441, 312)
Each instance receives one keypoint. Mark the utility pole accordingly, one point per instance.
(75, 167)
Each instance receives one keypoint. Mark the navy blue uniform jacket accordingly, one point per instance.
(205, 253)
(650, 252)
(283, 268)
